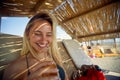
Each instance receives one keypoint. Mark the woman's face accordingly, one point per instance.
(40, 35)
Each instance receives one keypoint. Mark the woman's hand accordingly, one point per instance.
(45, 70)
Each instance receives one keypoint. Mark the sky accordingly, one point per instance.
(16, 26)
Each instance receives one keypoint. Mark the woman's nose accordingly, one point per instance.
(44, 39)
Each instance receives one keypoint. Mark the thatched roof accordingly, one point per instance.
(83, 20)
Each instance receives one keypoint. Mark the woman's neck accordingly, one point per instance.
(41, 56)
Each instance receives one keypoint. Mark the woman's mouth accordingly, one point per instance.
(41, 45)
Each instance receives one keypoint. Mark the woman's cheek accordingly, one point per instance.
(51, 40)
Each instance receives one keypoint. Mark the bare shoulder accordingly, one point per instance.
(14, 68)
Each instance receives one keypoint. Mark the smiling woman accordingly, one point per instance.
(40, 59)
(41, 36)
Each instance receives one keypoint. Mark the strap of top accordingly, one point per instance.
(28, 73)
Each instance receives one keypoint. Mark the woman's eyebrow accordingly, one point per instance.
(41, 31)
(37, 31)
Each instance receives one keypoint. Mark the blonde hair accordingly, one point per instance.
(53, 49)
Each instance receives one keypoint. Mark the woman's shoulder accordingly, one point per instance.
(14, 67)
(17, 62)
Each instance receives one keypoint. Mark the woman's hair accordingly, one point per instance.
(53, 49)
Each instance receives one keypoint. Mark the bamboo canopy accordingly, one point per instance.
(83, 20)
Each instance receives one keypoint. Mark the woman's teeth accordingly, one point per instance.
(42, 45)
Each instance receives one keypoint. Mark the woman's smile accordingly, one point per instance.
(41, 45)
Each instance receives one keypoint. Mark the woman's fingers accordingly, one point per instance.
(48, 71)
(40, 65)
(45, 70)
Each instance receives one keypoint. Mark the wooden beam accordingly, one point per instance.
(37, 6)
(102, 33)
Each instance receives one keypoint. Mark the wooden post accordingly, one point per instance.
(114, 42)
(74, 35)
(0, 24)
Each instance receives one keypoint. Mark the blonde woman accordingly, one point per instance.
(39, 58)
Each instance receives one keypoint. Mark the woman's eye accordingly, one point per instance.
(49, 35)
(38, 34)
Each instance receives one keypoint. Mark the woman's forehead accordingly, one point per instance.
(42, 23)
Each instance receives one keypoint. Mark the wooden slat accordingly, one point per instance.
(103, 33)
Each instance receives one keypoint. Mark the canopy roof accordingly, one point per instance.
(83, 20)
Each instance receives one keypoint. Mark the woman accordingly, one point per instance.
(40, 58)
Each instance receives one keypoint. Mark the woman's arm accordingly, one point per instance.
(15, 70)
